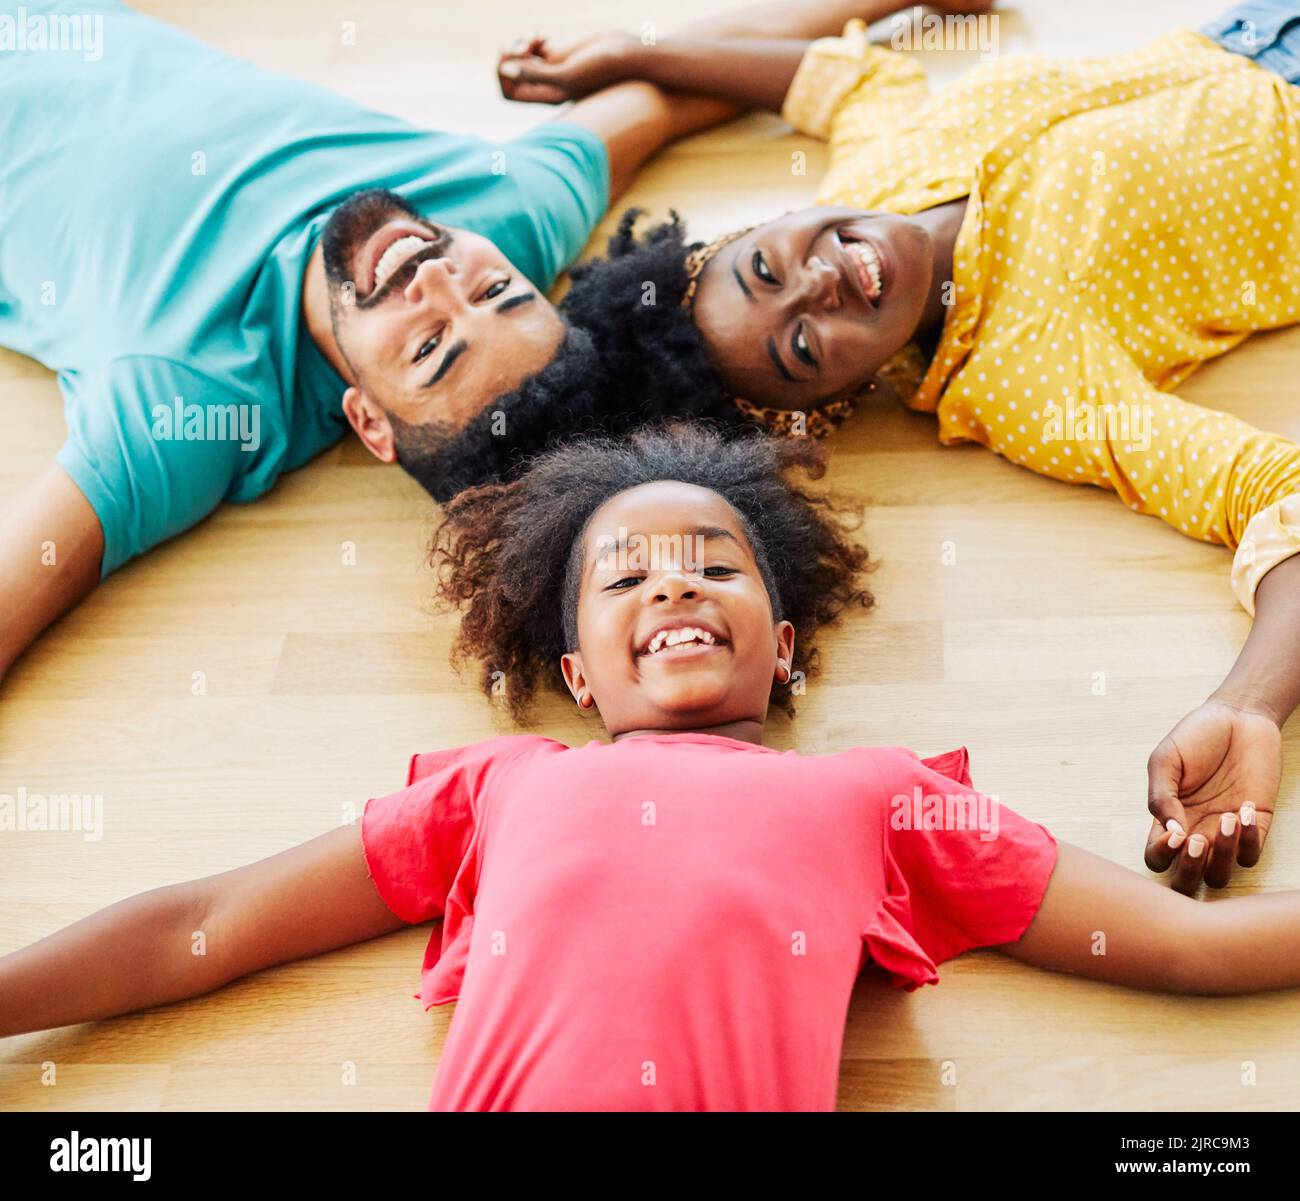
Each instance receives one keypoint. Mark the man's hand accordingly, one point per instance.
(535, 72)
(1212, 783)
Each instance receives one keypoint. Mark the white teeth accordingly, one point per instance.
(396, 255)
(866, 254)
(677, 637)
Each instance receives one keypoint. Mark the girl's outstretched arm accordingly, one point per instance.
(1100, 920)
(187, 939)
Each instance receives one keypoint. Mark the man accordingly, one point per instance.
(226, 267)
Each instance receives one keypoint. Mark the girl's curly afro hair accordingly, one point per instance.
(631, 356)
(510, 555)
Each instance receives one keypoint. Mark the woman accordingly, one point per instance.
(1037, 254)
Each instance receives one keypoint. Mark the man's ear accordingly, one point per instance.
(371, 423)
(576, 680)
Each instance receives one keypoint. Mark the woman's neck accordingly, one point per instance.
(742, 731)
(943, 223)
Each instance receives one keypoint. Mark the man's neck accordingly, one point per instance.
(316, 314)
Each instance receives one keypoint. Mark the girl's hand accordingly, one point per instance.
(1215, 776)
(535, 72)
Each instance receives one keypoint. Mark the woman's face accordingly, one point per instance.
(812, 305)
(675, 628)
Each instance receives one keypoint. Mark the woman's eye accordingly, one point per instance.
(495, 290)
(626, 580)
(801, 348)
(761, 269)
(427, 349)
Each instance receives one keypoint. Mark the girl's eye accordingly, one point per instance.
(761, 269)
(720, 570)
(801, 348)
(495, 290)
(427, 349)
(619, 584)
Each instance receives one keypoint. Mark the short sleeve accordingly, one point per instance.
(848, 70)
(562, 173)
(1272, 536)
(416, 841)
(961, 870)
(129, 452)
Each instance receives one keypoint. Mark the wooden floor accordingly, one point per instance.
(322, 679)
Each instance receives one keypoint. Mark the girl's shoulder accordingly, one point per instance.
(491, 752)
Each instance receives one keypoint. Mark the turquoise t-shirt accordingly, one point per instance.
(159, 201)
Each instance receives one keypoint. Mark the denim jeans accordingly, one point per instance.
(1267, 31)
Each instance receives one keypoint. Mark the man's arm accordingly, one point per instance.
(51, 544)
(747, 57)
(639, 98)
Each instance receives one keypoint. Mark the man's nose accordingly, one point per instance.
(437, 282)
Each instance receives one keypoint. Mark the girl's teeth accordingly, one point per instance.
(666, 638)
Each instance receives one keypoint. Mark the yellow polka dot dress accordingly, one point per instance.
(1127, 219)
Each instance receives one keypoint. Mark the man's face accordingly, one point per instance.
(435, 322)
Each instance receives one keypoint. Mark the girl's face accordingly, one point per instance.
(675, 628)
(812, 305)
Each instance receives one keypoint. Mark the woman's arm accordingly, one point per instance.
(188, 939)
(1102, 921)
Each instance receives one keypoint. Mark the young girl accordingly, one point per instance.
(672, 919)
(1037, 254)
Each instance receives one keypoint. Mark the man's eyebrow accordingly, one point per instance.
(449, 359)
(744, 287)
(776, 358)
(513, 302)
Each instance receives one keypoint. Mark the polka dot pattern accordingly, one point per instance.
(1128, 219)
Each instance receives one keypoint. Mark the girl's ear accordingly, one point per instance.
(575, 679)
(784, 632)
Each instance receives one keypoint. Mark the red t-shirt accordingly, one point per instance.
(675, 922)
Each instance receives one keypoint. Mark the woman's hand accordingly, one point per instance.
(535, 72)
(1212, 783)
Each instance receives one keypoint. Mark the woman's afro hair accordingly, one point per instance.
(630, 356)
(510, 555)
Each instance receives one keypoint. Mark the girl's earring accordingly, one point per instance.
(585, 701)
(783, 672)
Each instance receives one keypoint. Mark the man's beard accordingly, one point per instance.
(351, 224)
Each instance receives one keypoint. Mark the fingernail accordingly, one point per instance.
(1248, 814)
(1173, 826)
(1196, 846)
(510, 70)
(1176, 839)
(1228, 825)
